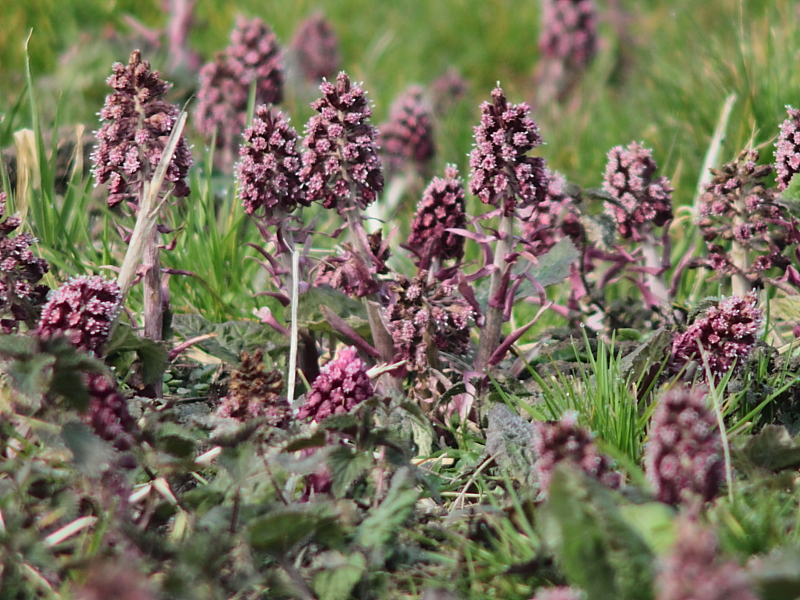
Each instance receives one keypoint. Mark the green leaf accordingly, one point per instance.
(337, 581)
(384, 520)
(554, 266)
(598, 551)
(309, 314)
(347, 465)
(638, 365)
(342, 423)
(231, 338)
(91, 455)
(153, 355)
(407, 421)
(509, 439)
(31, 377)
(317, 440)
(772, 448)
(283, 529)
(654, 521)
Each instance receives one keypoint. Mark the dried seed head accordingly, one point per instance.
(341, 166)
(502, 172)
(641, 200)
(255, 392)
(341, 385)
(137, 124)
(684, 451)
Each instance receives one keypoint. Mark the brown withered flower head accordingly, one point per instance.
(406, 140)
(502, 173)
(787, 149)
(569, 31)
(269, 166)
(21, 295)
(737, 206)
(441, 208)
(349, 273)
(316, 47)
(253, 57)
(341, 385)
(723, 333)
(136, 125)
(641, 200)
(254, 392)
(684, 451)
(82, 310)
(427, 313)
(695, 569)
(341, 166)
(557, 441)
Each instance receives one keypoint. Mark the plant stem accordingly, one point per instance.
(490, 334)
(739, 283)
(153, 302)
(652, 259)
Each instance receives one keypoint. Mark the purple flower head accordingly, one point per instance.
(341, 163)
(253, 56)
(136, 125)
(447, 90)
(269, 166)
(787, 149)
(341, 385)
(684, 452)
(552, 219)
(556, 441)
(108, 411)
(558, 593)
(21, 296)
(82, 310)
(640, 199)
(441, 208)
(407, 138)
(737, 208)
(349, 273)
(724, 333)
(426, 313)
(569, 31)
(316, 47)
(502, 172)
(255, 392)
(694, 569)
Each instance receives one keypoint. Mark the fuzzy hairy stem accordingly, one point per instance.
(739, 257)
(153, 301)
(490, 334)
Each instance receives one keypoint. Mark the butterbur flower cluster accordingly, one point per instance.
(341, 162)
(269, 166)
(137, 125)
(447, 90)
(546, 223)
(341, 385)
(254, 392)
(316, 47)
(695, 570)
(441, 208)
(82, 310)
(738, 209)
(787, 149)
(21, 295)
(108, 411)
(565, 440)
(721, 335)
(427, 312)
(641, 200)
(684, 452)
(253, 57)
(407, 138)
(569, 31)
(349, 273)
(502, 172)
